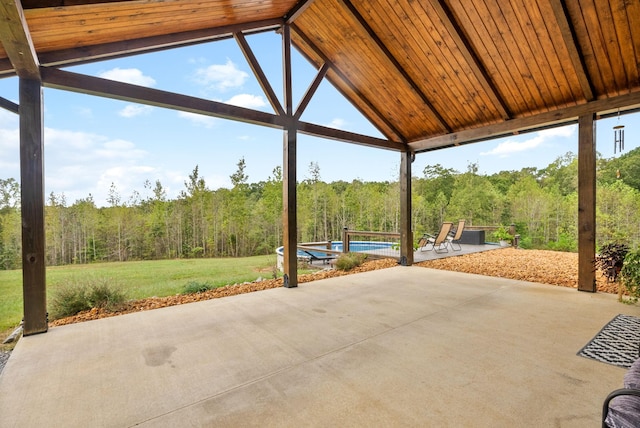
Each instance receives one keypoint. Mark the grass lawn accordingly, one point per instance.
(138, 279)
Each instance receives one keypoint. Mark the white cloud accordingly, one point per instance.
(538, 139)
(221, 77)
(133, 110)
(337, 123)
(247, 101)
(198, 119)
(128, 75)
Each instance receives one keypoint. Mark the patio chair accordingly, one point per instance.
(621, 408)
(438, 242)
(454, 238)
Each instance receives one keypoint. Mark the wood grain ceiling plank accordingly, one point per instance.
(481, 106)
(612, 45)
(435, 72)
(513, 45)
(620, 13)
(633, 17)
(597, 60)
(451, 25)
(477, 33)
(583, 42)
(399, 68)
(343, 85)
(541, 56)
(570, 44)
(349, 48)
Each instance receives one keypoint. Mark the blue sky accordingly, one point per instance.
(91, 142)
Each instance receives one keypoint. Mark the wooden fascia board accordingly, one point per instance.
(398, 67)
(347, 82)
(16, 39)
(54, 78)
(452, 27)
(258, 73)
(570, 41)
(542, 120)
(349, 137)
(86, 54)
(9, 105)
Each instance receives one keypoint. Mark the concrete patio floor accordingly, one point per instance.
(405, 346)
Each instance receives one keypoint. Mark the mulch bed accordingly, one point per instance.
(547, 267)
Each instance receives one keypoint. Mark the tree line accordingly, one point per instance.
(246, 219)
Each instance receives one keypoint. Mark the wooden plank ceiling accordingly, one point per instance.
(418, 70)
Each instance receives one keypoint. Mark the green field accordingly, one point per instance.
(138, 279)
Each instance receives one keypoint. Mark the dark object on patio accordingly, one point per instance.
(438, 242)
(315, 257)
(454, 238)
(473, 237)
(621, 408)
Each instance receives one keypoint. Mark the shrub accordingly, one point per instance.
(77, 296)
(610, 259)
(348, 261)
(630, 275)
(193, 287)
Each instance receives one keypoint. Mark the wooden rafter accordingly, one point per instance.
(346, 136)
(546, 119)
(346, 80)
(55, 78)
(9, 105)
(257, 71)
(311, 90)
(452, 27)
(66, 80)
(569, 37)
(399, 68)
(16, 39)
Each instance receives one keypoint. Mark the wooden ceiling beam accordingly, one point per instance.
(348, 137)
(65, 80)
(571, 42)
(399, 68)
(529, 123)
(9, 105)
(311, 90)
(347, 82)
(465, 48)
(87, 54)
(54, 78)
(259, 73)
(16, 39)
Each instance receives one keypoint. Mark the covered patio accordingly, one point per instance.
(405, 346)
(428, 75)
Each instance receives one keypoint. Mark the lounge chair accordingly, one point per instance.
(454, 238)
(324, 259)
(438, 242)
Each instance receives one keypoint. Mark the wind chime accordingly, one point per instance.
(618, 141)
(618, 133)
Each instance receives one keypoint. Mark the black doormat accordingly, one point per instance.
(618, 342)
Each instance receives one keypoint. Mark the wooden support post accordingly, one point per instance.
(32, 207)
(586, 203)
(289, 198)
(289, 195)
(406, 234)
